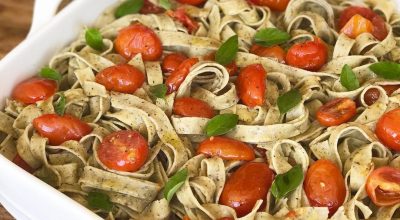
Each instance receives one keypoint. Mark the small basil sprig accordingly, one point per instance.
(174, 183)
(59, 107)
(128, 7)
(270, 36)
(221, 124)
(348, 79)
(227, 51)
(159, 91)
(94, 39)
(386, 69)
(165, 4)
(98, 200)
(50, 73)
(287, 182)
(288, 101)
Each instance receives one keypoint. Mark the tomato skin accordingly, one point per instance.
(372, 95)
(123, 151)
(122, 78)
(232, 68)
(383, 186)
(172, 61)
(226, 148)
(178, 76)
(275, 52)
(34, 90)
(251, 85)
(336, 112)
(180, 15)
(138, 38)
(356, 26)
(192, 2)
(150, 8)
(191, 107)
(309, 55)
(388, 130)
(245, 186)
(275, 5)
(21, 163)
(324, 185)
(59, 129)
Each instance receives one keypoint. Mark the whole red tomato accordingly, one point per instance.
(191, 107)
(388, 129)
(309, 55)
(34, 90)
(336, 112)
(172, 61)
(226, 148)
(251, 85)
(121, 78)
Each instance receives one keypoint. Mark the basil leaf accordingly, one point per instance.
(287, 182)
(227, 51)
(271, 36)
(221, 124)
(386, 69)
(348, 79)
(59, 107)
(94, 39)
(98, 200)
(159, 91)
(289, 100)
(128, 7)
(50, 73)
(174, 183)
(165, 4)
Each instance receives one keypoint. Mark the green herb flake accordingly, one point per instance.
(159, 91)
(50, 73)
(165, 4)
(289, 100)
(221, 124)
(287, 182)
(271, 36)
(128, 7)
(174, 183)
(386, 70)
(94, 39)
(348, 79)
(59, 107)
(98, 200)
(227, 51)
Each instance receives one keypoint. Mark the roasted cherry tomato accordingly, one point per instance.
(33, 90)
(192, 2)
(172, 61)
(226, 148)
(21, 163)
(181, 16)
(251, 85)
(372, 95)
(356, 26)
(232, 68)
(138, 38)
(336, 112)
(123, 151)
(324, 185)
(383, 186)
(309, 55)
(178, 76)
(275, 52)
(59, 129)
(249, 183)
(388, 129)
(275, 5)
(121, 78)
(191, 107)
(150, 8)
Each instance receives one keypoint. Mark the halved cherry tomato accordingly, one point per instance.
(178, 76)
(388, 129)
(226, 148)
(336, 112)
(150, 8)
(309, 55)
(123, 151)
(191, 107)
(383, 186)
(180, 15)
(251, 85)
(172, 61)
(232, 68)
(324, 185)
(275, 52)
(138, 38)
(372, 95)
(249, 183)
(121, 78)
(275, 5)
(192, 2)
(21, 163)
(356, 26)
(59, 129)
(34, 90)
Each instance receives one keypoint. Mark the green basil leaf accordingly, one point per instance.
(165, 4)
(59, 107)
(50, 73)
(94, 39)
(289, 100)
(98, 200)
(386, 69)
(227, 51)
(221, 124)
(286, 182)
(174, 183)
(159, 91)
(348, 79)
(128, 7)
(271, 36)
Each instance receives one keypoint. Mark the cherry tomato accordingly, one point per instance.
(356, 26)
(172, 61)
(372, 95)
(191, 107)
(34, 90)
(383, 186)
(336, 112)
(309, 55)
(275, 5)
(150, 8)
(388, 129)
(324, 185)
(138, 38)
(249, 183)
(226, 148)
(275, 52)
(21, 163)
(59, 129)
(123, 151)
(251, 85)
(232, 68)
(180, 15)
(178, 76)
(121, 78)
(192, 2)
